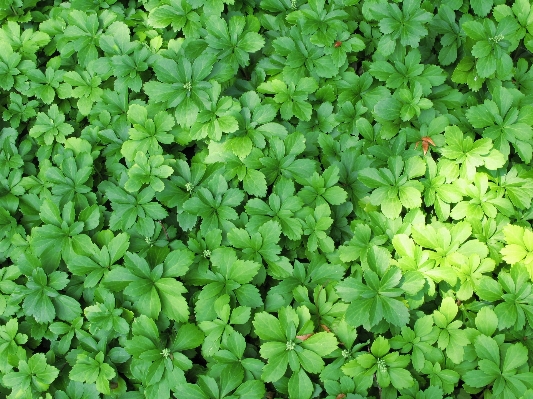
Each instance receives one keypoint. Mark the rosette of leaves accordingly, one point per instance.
(226, 385)
(51, 126)
(183, 185)
(324, 306)
(518, 185)
(158, 362)
(295, 57)
(99, 259)
(61, 236)
(443, 376)
(512, 293)
(404, 70)
(316, 224)
(218, 117)
(395, 187)
(181, 85)
(281, 160)
(106, 317)
(34, 376)
(12, 160)
(419, 341)
(244, 170)
(451, 337)
(405, 26)
(81, 36)
(147, 170)
(518, 247)
(255, 126)
(505, 120)
(361, 242)
(350, 163)
(320, 22)
(234, 355)
(439, 188)
(133, 209)
(416, 262)
(219, 330)
(180, 15)
(292, 96)
(323, 189)
(389, 369)
(231, 276)
(202, 246)
(93, 370)
(214, 204)
(8, 229)
(72, 180)
(290, 341)
(11, 345)
(262, 246)
(13, 67)
(347, 120)
(349, 348)
(147, 134)
(83, 85)
(429, 132)
(445, 24)
(344, 388)
(470, 273)
(127, 68)
(490, 232)
(281, 207)
(359, 89)
(492, 46)
(402, 106)
(520, 11)
(43, 295)
(501, 365)
(448, 244)
(63, 333)
(481, 200)
(154, 288)
(317, 273)
(462, 149)
(20, 109)
(232, 41)
(374, 299)
(26, 42)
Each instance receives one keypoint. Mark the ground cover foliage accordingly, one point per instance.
(211, 199)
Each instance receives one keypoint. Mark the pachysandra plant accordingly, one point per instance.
(279, 199)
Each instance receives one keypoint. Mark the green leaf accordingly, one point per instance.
(322, 343)
(486, 321)
(477, 378)
(254, 183)
(268, 328)
(35, 374)
(515, 357)
(93, 370)
(300, 385)
(481, 7)
(519, 247)
(225, 260)
(189, 336)
(487, 348)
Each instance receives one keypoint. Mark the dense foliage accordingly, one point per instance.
(210, 199)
